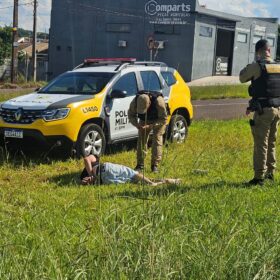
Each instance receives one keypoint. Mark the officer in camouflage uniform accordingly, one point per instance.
(147, 112)
(265, 103)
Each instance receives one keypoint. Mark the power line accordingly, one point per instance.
(22, 4)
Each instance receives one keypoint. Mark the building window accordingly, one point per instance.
(58, 48)
(166, 29)
(271, 42)
(242, 37)
(118, 27)
(256, 38)
(205, 31)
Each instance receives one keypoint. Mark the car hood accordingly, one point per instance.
(37, 101)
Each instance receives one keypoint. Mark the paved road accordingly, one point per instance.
(220, 109)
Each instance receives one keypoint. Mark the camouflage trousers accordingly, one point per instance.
(264, 129)
(157, 143)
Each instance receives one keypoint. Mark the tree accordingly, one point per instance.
(6, 38)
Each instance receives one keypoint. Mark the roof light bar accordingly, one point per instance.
(102, 60)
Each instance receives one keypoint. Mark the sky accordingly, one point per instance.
(249, 8)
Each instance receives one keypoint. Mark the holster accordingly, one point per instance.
(255, 106)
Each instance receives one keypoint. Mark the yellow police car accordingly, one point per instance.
(86, 108)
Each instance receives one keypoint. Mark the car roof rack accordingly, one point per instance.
(92, 62)
(143, 63)
(150, 63)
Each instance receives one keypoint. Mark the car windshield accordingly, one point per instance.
(78, 83)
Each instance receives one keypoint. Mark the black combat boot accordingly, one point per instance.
(269, 176)
(154, 169)
(255, 182)
(139, 167)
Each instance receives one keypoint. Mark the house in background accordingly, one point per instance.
(25, 63)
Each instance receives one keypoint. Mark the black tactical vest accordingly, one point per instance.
(268, 84)
(152, 112)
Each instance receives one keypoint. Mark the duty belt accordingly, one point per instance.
(269, 103)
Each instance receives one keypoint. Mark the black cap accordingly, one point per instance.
(261, 44)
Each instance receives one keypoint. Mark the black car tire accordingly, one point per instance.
(177, 129)
(91, 140)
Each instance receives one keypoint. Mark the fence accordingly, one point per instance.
(5, 70)
(25, 69)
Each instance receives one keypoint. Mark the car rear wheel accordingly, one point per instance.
(178, 129)
(91, 141)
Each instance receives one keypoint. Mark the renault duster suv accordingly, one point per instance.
(86, 108)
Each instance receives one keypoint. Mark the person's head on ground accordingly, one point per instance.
(262, 49)
(89, 173)
(143, 103)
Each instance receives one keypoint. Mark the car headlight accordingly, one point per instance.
(55, 114)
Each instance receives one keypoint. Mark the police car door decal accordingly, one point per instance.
(120, 127)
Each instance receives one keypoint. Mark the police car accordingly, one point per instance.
(86, 108)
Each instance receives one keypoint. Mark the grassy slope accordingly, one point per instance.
(8, 95)
(220, 91)
(210, 227)
(197, 92)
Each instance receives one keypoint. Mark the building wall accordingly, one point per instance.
(79, 29)
(204, 49)
(244, 53)
(85, 28)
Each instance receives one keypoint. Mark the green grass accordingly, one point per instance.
(219, 91)
(12, 94)
(22, 85)
(197, 92)
(210, 227)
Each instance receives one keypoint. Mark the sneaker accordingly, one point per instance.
(154, 169)
(269, 176)
(255, 182)
(139, 167)
(173, 181)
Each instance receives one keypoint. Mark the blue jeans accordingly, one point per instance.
(112, 173)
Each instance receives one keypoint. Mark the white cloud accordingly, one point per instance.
(247, 8)
(26, 14)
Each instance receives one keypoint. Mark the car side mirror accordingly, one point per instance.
(116, 93)
(37, 89)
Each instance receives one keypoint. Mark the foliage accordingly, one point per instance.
(28, 33)
(219, 91)
(5, 43)
(210, 227)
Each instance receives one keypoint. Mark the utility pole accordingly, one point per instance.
(34, 55)
(15, 44)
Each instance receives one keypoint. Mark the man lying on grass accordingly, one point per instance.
(111, 173)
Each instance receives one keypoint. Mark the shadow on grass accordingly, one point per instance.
(146, 192)
(67, 180)
(25, 154)
(31, 154)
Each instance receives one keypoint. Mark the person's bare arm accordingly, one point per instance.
(138, 178)
(88, 163)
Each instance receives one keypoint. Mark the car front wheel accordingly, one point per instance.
(178, 129)
(91, 141)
